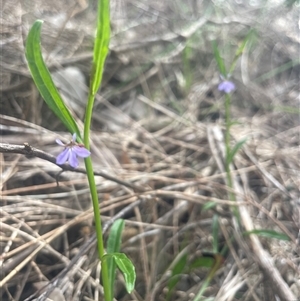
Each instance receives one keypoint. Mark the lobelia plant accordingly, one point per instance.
(227, 87)
(79, 146)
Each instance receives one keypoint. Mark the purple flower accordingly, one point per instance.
(226, 86)
(71, 151)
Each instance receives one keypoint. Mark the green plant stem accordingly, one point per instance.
(202, 290)
(94, 195)
(227, 145)
(217, 264)
(87, 120)
(100, 53)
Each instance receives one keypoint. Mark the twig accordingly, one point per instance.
(30, 151)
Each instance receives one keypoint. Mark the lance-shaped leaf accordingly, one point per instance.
(126, 267)
(177, 271)
(101, 45)
(250, 36)
(114, 246)
(219, 59)
(235, 149)
(43, 79)
(268, 234)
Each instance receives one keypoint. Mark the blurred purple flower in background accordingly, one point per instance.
(71, 151)
(226, 86)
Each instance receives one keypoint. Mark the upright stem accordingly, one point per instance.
(94, 195)
(227, 145)
(100, 53)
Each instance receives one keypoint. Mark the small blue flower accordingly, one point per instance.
(226, 86)
(71, 151)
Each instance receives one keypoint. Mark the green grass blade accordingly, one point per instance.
(235, 149)
(43, 80)
(269, 234)
(219, 59)
(203, 261)
(287, 109)
(278, 70)
(209, 205)
(249, 37)
(113, 246)
(177, 270)
(217, 263)
(101, 45)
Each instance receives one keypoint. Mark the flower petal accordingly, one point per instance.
(63, 156)
(73, 161)
(58, 141)
(81, 151)
(226, 86)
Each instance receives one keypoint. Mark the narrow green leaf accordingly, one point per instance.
(241, 49)
(209, 205)
(113, 246)
(115, 235)
(219, 59)
(178, 269)
(101, 45)
(43, 80)
(235, 149)
(268, 233)
(126, 267)
(215, 233)
(278, 70)
(180, 265)
(234, 122)
(202, 262)
(217, 261)
(287, 109)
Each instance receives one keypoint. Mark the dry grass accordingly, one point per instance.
(158, 150)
